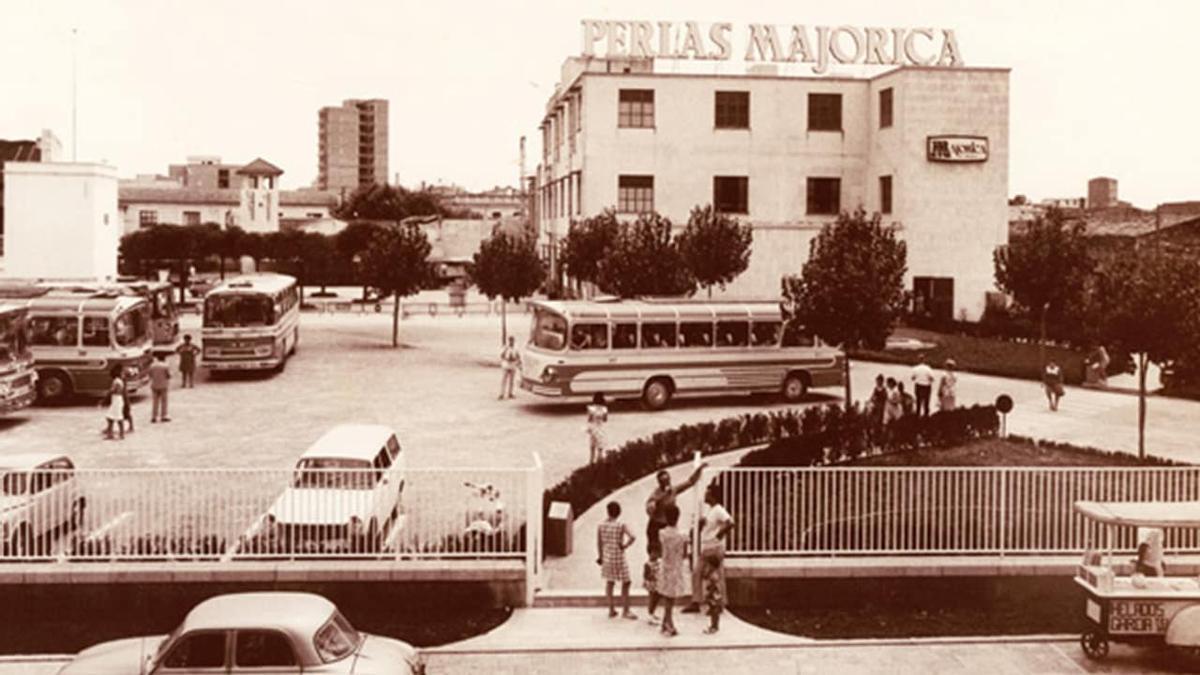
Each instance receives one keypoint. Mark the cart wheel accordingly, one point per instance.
(1094, 644)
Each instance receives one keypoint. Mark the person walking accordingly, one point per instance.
(187, 362)
(597, 418)
(948, 387)
(1052, 380)
(160, 383)
(510, 361)
(612, 538)
(115, 410)
(673, 582)
(922, 379)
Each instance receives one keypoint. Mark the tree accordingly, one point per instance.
(389, 202)
(317, 261)
(173, 243)
(507, 266)
(1148, 305)
(1045, 270)
(350, 244)
(715, 247)
(230, 243)
(644, 260)
(396, 264)
(587, 243)
(851, 289)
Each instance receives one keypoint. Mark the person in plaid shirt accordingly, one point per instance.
(612, 538)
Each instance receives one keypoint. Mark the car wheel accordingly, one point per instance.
(657, 394)
(1094, 645)
(78, 509)
(52, 387)
(795, 387)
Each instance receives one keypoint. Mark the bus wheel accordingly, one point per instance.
(795, 387)
(657, 394)
(52, 387)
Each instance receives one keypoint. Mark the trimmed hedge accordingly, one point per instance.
(1148, 460)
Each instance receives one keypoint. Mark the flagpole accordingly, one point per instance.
(74, 97)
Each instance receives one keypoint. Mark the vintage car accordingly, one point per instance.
(38, 495)
(254, 633)
(344, 495)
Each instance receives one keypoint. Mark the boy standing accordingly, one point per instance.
(187, 361)
(160, 382)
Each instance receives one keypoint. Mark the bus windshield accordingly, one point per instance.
(14, 337)
(238, 310)
(549, 330)
(131, 327)
(164, 303)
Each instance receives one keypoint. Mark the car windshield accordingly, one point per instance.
(162, 646)
(549, 330)
(337, 639)
(14, 337)
(238, 310)
(131, 327)
(13, 484)
(335, 473)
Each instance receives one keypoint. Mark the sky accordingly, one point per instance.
(1097, 88)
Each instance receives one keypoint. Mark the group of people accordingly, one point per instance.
(889, 401)
(118, 411)
(664, 575)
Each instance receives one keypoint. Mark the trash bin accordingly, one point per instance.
(560, 522)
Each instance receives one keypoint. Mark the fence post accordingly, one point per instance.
(533, 528)
(1004, 473)
(698, 503)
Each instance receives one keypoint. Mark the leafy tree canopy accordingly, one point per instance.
(644, 260)
(507, 266)
(715, 246)
(588, 243)
(1045, 268)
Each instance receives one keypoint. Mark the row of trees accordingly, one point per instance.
(641, 257)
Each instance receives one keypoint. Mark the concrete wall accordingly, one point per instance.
(173, 214)
(61, 220)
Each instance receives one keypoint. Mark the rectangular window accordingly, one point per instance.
(696, 334)
(733, 333)
(635, 108)
(731, 194)
(824, 196)
(589, 336)
(658, 335)
(147, 218)
(824, 112)
(223, 179)
(54, 331)
(625, 336)
(635, 194)
(733, 110)
(765, 333)
(885, 108)
(885, 194)
(191, 217)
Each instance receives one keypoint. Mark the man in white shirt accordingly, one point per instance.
(714, 527)
(922, 378)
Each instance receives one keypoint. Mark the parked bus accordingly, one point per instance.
(657, 350)
(17, 376)
(76, 336)
(164, 314)
(251, 322)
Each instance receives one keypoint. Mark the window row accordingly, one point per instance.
(671, 335)
(731, 110)
(731, 194)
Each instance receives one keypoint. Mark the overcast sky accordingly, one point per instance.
(1097, 88)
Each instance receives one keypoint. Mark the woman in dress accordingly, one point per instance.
(597, 417)
(612, 538)
(948, 387)
(116, 405)
(1052, 379)
(674, 582)
(893, 408)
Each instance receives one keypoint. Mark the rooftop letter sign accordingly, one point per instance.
(820, 45)
(956, 148)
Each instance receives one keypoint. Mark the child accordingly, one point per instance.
(612, 538)
(673, 582)
(597, 417)
(651, 573)
(115, 405)
(187, 361)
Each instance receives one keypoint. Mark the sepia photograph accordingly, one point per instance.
(380, 337)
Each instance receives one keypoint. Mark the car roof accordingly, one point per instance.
(27, 460)
(299, 614)
(351, 441)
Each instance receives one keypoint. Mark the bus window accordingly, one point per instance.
(695, 334)
(733, 333)
(589, 336)
(798, 338)
(54, 331)
(131, 327)
(658, 335)
(95, 331)
(549, 331)
(765, 334)
(625, 336)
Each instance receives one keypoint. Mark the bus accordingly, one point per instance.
(657, 350)
(164, 314)
(251, 323)
(17, 376)
(77, 335)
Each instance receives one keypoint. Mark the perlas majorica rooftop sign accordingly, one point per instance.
(819, 45)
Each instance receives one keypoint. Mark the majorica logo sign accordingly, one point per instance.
(819, 45)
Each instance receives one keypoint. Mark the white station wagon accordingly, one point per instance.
(254, 633)
(345, 493)
(38, 495)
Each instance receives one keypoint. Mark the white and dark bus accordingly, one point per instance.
(251, 323)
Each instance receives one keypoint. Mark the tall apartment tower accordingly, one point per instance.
(353, 144)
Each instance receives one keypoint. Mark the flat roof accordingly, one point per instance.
(650, 309)
(350, 441)
(255, 283)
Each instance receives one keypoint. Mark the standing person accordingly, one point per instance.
(673, 582)
(1097, 366)
(187, 362)
(894, 408)
(160, 383)
(1052, 380)
(906, 400)
(948, 387)
(878, 401)
(612, 538)
(922, 378)
(714, 528)
(510, 360)
(656, 506)
(597, 418)
(115, 411)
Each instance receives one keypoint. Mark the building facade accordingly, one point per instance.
(46, 148)
(352, 145)
(1102, 193)
(925, 147)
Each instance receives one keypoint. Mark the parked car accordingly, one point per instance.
(38, 495)
(198, 286)
(344, 495)
(254, 633)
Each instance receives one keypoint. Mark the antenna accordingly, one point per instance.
(74, 96)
